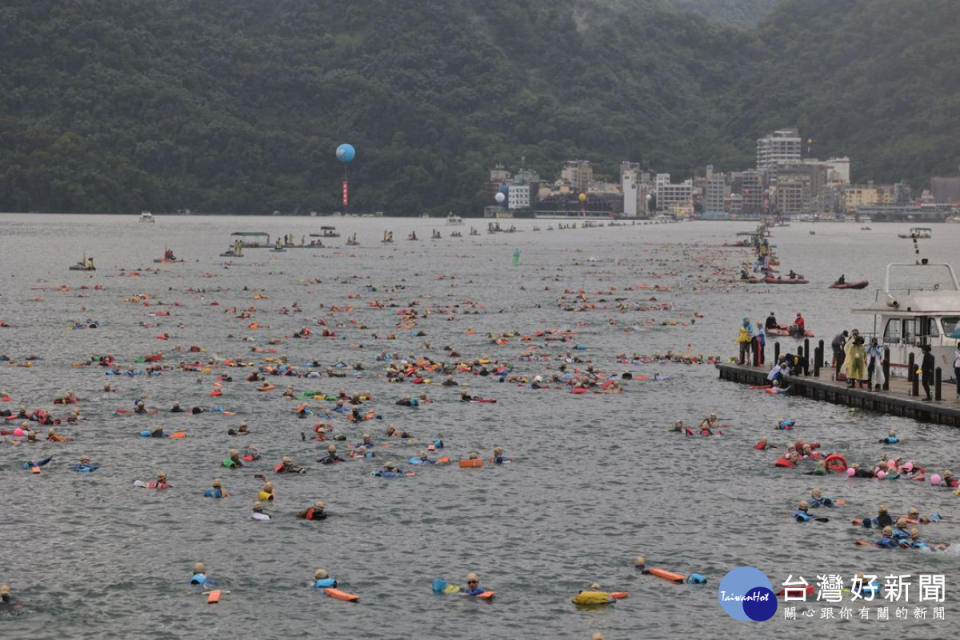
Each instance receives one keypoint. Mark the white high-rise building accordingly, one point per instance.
(780, 147)
(630, 187)
(716, 192)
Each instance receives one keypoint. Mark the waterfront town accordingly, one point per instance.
(786, 182)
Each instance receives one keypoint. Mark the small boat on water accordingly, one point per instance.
(387, 237)
(146, 216)
(352, 240)
(862, 284)
(454, 219)
(769, 280)
(168, 257)
(919, 233)
(84, 265)
(782, 330)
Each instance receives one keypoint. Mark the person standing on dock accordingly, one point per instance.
(837, 345)
(744, 340)
(956, 368)
(875, 355)
(926, 370)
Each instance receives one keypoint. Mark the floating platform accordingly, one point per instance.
(896, 401)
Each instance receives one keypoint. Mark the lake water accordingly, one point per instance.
(596, 479)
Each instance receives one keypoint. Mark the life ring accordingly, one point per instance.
(841, 465)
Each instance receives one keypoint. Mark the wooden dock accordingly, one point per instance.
(896, 401)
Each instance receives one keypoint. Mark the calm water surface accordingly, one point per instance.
(597, 479)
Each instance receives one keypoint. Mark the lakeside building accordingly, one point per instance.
(779, 147)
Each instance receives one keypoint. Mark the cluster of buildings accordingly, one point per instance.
(785, 182)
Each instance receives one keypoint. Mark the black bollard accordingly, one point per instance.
(820, 346)
(817, 356)
(911, 365)
(806, 356)
(756, 352)
(776, 351)
(799, 360)
(937, 380)
(886, 368)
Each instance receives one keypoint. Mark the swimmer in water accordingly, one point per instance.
(816, 499)
(498, 456)
(267, 494)
(473, 587)
(7, 601)
(216, 491)
(393, 432)
(200, 575)
(233, 460)
(239, 431)
(331, 457)
(287, 466)
(258, 512)
(710, 422)
(316, 512)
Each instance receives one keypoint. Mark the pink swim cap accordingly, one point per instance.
(881, 475)
(19, 432)
(850, 472)
(935, 479)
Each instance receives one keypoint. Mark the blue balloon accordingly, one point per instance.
(345, 153)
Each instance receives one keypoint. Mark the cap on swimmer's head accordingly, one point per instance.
(472, 577)
(901, 522)
(257, 505)
(803, 505)
(198, 567)
(331, 448)
(268, 486)
(216, 482)
(431, 447)
(913, 511)
(914, 532)
(50, 431)
(319, 505)
(421, 454)
(84, 459)
(498, 451)
(888, 531)
(596, 636)
(883, 508)
(161, 474)
(286, 460)
(595, 586)
(320, 574)
(815, 493)
(391, 465)
(639, 562)
(233, 452)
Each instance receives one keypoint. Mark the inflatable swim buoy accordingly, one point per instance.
(836, 462)
(783, 462)
(593, 598)
(471, 464)
(341, 595)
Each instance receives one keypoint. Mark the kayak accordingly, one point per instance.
(850, 285)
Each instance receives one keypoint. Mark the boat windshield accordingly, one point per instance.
(920, 277)
(951, 326)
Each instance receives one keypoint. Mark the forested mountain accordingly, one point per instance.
(237, 105)
(744, 13)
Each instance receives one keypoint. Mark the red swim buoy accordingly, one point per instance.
(836, 462)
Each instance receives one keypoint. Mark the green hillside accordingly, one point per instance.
(237, 106)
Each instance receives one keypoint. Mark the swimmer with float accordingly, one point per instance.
(286, 466)
(200, 575)
(216, 491)
(258, 513)
(316, 512)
